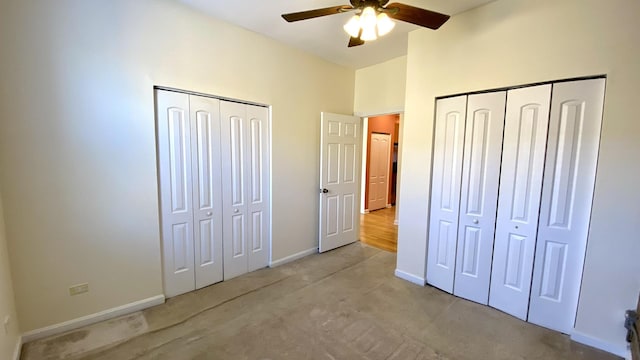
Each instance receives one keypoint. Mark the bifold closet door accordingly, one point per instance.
(245, 149)
(479, 195)
(190, 190)
(207, 189)
(176, 191)
(567, 194)
(445, 191)
(525, 138)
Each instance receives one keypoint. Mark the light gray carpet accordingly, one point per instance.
(345, 304)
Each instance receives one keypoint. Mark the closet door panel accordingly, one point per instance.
(567, 194)
(479, 195)
(174, 159)
(258, 187)
(525, 137)
(207, 189)
(234, 126)
(445, 191)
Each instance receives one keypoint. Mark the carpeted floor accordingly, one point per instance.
(345, 304)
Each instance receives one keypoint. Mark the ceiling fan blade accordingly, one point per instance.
(310, 14)
(354, 41)
(417, 16)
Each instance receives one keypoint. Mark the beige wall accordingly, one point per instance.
(77, 139)
(511, 42)
(380, 88)
(8, 341)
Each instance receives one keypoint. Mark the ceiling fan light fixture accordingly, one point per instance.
(368, 19)
(368, 34)
(352, 27)
(385, 24)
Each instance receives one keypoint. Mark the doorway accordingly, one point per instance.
(378, 215)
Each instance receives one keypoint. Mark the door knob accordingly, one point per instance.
(324, 191)
(236, 210)
(475, 221)
(209, 213)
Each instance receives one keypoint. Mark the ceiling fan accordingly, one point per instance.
(374, 18)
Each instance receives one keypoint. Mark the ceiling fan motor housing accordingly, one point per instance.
(376, 4)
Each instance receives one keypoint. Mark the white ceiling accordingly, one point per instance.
(323, 36)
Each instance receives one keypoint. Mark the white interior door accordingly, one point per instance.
(233, 118)
(174, 160)
(445, 191)
(207, 189)
(245, 165)
(525, 138)
(567, 194)
(479, 195)
(379, 160)
(339, 175)
(258, 187)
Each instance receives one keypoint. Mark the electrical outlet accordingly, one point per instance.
(7, 321)
(79, 289)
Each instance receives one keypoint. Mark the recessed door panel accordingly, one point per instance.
(333, 169)
(445, 191)
(446, 236)
(333, 211)
(181, 254)
(257, 154)
(349, 164)
(176, 190)
(567, 194)
(348, 215)
(238, 240)
(256, 236)
(236, 140)
(479, 195)
(207, 189)
(339, 174)
(524, 145)
(470, 251)
(513, 274)
(477, 162)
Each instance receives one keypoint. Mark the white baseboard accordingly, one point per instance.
(18, 350)
(585, 339)
(92, 319)
(294, 257)
(410, 277)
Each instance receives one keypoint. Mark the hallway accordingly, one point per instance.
(377, 229)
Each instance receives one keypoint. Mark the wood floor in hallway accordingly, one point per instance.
(377, 229)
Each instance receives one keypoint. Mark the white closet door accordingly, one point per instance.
(445, 191)
(207, 191)
(258, 187)
(525, 138)
(479, 195)
(245, 165)
(234, 184)
(567, 194)
(174, 155)
(379, 171)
